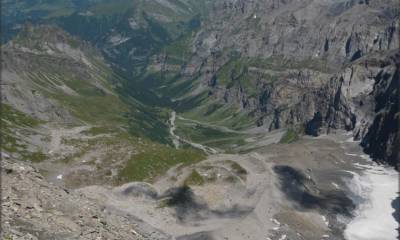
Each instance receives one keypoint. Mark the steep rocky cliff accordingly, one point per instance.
(312, 64)
(381, 140)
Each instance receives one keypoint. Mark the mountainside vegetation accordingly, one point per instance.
(200, 119)
(61, 100)
(225, 62)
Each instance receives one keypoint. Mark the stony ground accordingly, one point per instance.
(273, 191)
(279, 191)
(33, 208)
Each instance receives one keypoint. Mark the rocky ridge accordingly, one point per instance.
(316, 65)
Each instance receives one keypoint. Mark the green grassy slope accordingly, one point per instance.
(76, 78)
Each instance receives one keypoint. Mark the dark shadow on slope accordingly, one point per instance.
(189, 207)
(306, 194)
(140, 190)
(396, 206)
(235, 212)
(196, 236)
(183, 200)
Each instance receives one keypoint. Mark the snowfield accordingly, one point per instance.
(374, 219)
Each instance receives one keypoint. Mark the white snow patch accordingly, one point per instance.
(118, 39)
(374, 220)
(283, 237)
(134, 232)
(349, 133)
(275, 221)
(250, 140)
(351, 140)
(60, 176)
(325, 220)
(365, 157)
(335, 185)
(352, 154)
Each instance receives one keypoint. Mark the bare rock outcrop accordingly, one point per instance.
(324, 65)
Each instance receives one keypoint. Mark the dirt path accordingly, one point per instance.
(177, 139)
(54, 170)
(58, 134)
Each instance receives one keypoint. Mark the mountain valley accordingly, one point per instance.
(200, 120)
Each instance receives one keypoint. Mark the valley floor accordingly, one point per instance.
(313, 188)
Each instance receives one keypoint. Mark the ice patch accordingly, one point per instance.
(374, 220)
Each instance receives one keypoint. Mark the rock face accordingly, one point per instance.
(321, 65)
(369, 92)
(382, 138)
(332, 30)
(32, 208)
